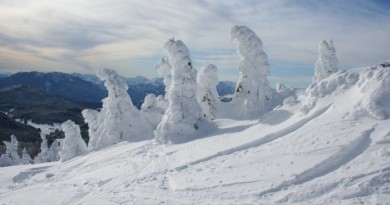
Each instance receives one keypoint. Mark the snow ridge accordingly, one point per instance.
(346, 154)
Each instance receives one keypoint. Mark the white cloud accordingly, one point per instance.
(82, 35)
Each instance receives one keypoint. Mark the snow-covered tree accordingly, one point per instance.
(5, 160)
(73, 144)
(45, 155)
(150, 101)
(55, 149)
(183, 114)
(280, 87)
(11, 156)
(12, 150)
(26, 159)
(326, 63)
(162, 102)
(207, 94)
(118, 120)
(252, 90)
(91, 117)
(167, 82)
(151, 111)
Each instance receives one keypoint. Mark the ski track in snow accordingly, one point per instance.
(346, 154)
(255, 143)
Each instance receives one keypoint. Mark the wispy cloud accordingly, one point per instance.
(80, 36)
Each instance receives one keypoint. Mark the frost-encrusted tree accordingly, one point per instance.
(11, 156)
(280, 87)
(326, 63)
(45, 155)
(183, 115)
(152, 111)
(167, 82)
(73, 144)
(118, 120)
(162, 102)
(5, 160)
(91, 117)
(55, 149)
(12, 150)
(26, 159)
(207, 94)
(252, 90)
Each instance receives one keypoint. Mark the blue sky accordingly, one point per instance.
(127, 35)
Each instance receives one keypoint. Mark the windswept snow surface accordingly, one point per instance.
(331, 147)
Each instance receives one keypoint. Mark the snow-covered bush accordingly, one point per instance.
(73, 144)
(326, 63)
(26, 158)
(252, 90)
(152, 111)
(207, 94)
(183, 114)
(118, 120)
(11, 156)
(45, 155)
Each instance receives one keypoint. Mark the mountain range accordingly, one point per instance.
(89, 89)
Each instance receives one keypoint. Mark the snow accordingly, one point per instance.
(118, 120)
(252, 90)
(280, 87)
(367, 87)
(207, 94)
(153, 109)
(73, 144)
(182, 118)
(45, 128)
(11, 156)
(328, 144)
(327, 61)
(26, 158)
(46, 154)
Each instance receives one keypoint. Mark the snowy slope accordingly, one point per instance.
(331, 147)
